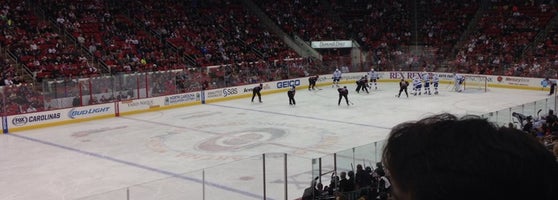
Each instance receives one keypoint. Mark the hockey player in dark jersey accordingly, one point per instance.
(362, 84)
(403, 87)
(552, 84)
(312, 82)
(291, 94)
(256, 91)
(343, 93)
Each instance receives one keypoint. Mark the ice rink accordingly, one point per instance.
(91, 160)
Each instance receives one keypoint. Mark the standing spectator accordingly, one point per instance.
(256, 91)
(351, 175)
(8, 81)
(446, 157)
(333, 184)
(384, 186)
(291, 94)
(311, 192)
(345, 185)
(76, 101)
(343, 93)
(362, 177)
(551, 117)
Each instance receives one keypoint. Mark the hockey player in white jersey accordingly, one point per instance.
(458, 81)
(417, 85)
(373, 78)
(426, 82)
(336, 77)
(435, 82)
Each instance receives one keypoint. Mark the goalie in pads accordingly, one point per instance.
(458, 82)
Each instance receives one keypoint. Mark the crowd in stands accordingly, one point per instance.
(381, 27)
(39, 46)
(63, 39)
(365, 183)
(543, 127)
(309, 20)
(111, 37)
(212, 32)
(505, 30)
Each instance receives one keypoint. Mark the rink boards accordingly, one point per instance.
(15, 123)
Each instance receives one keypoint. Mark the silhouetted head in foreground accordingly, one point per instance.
(446, 157)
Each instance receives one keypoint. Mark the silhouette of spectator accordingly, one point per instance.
(362, 178)
(345, 184)
(310, 193)
(446, 157)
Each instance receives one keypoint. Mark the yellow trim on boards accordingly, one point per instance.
(44, 125)
(247, 95)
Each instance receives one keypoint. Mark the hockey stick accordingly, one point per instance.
(451, 86)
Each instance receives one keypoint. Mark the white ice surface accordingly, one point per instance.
(104, 157)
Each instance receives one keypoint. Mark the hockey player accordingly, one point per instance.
(552, 84)
(256, 91)
(291, 94)
(362, 84)
(458, 81)
(373, 78)
(312, 82)
(426, 82)
(343, 93)
(336, 77)
(435, 82)
(417, 85)
(403, 87)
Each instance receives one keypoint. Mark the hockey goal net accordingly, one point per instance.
(474, 83)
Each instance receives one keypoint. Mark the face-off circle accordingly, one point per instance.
(241, 139)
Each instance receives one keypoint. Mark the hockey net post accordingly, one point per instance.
(475, 83)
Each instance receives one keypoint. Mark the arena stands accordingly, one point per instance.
(220, 43)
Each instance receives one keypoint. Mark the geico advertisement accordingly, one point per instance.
(287, 83)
